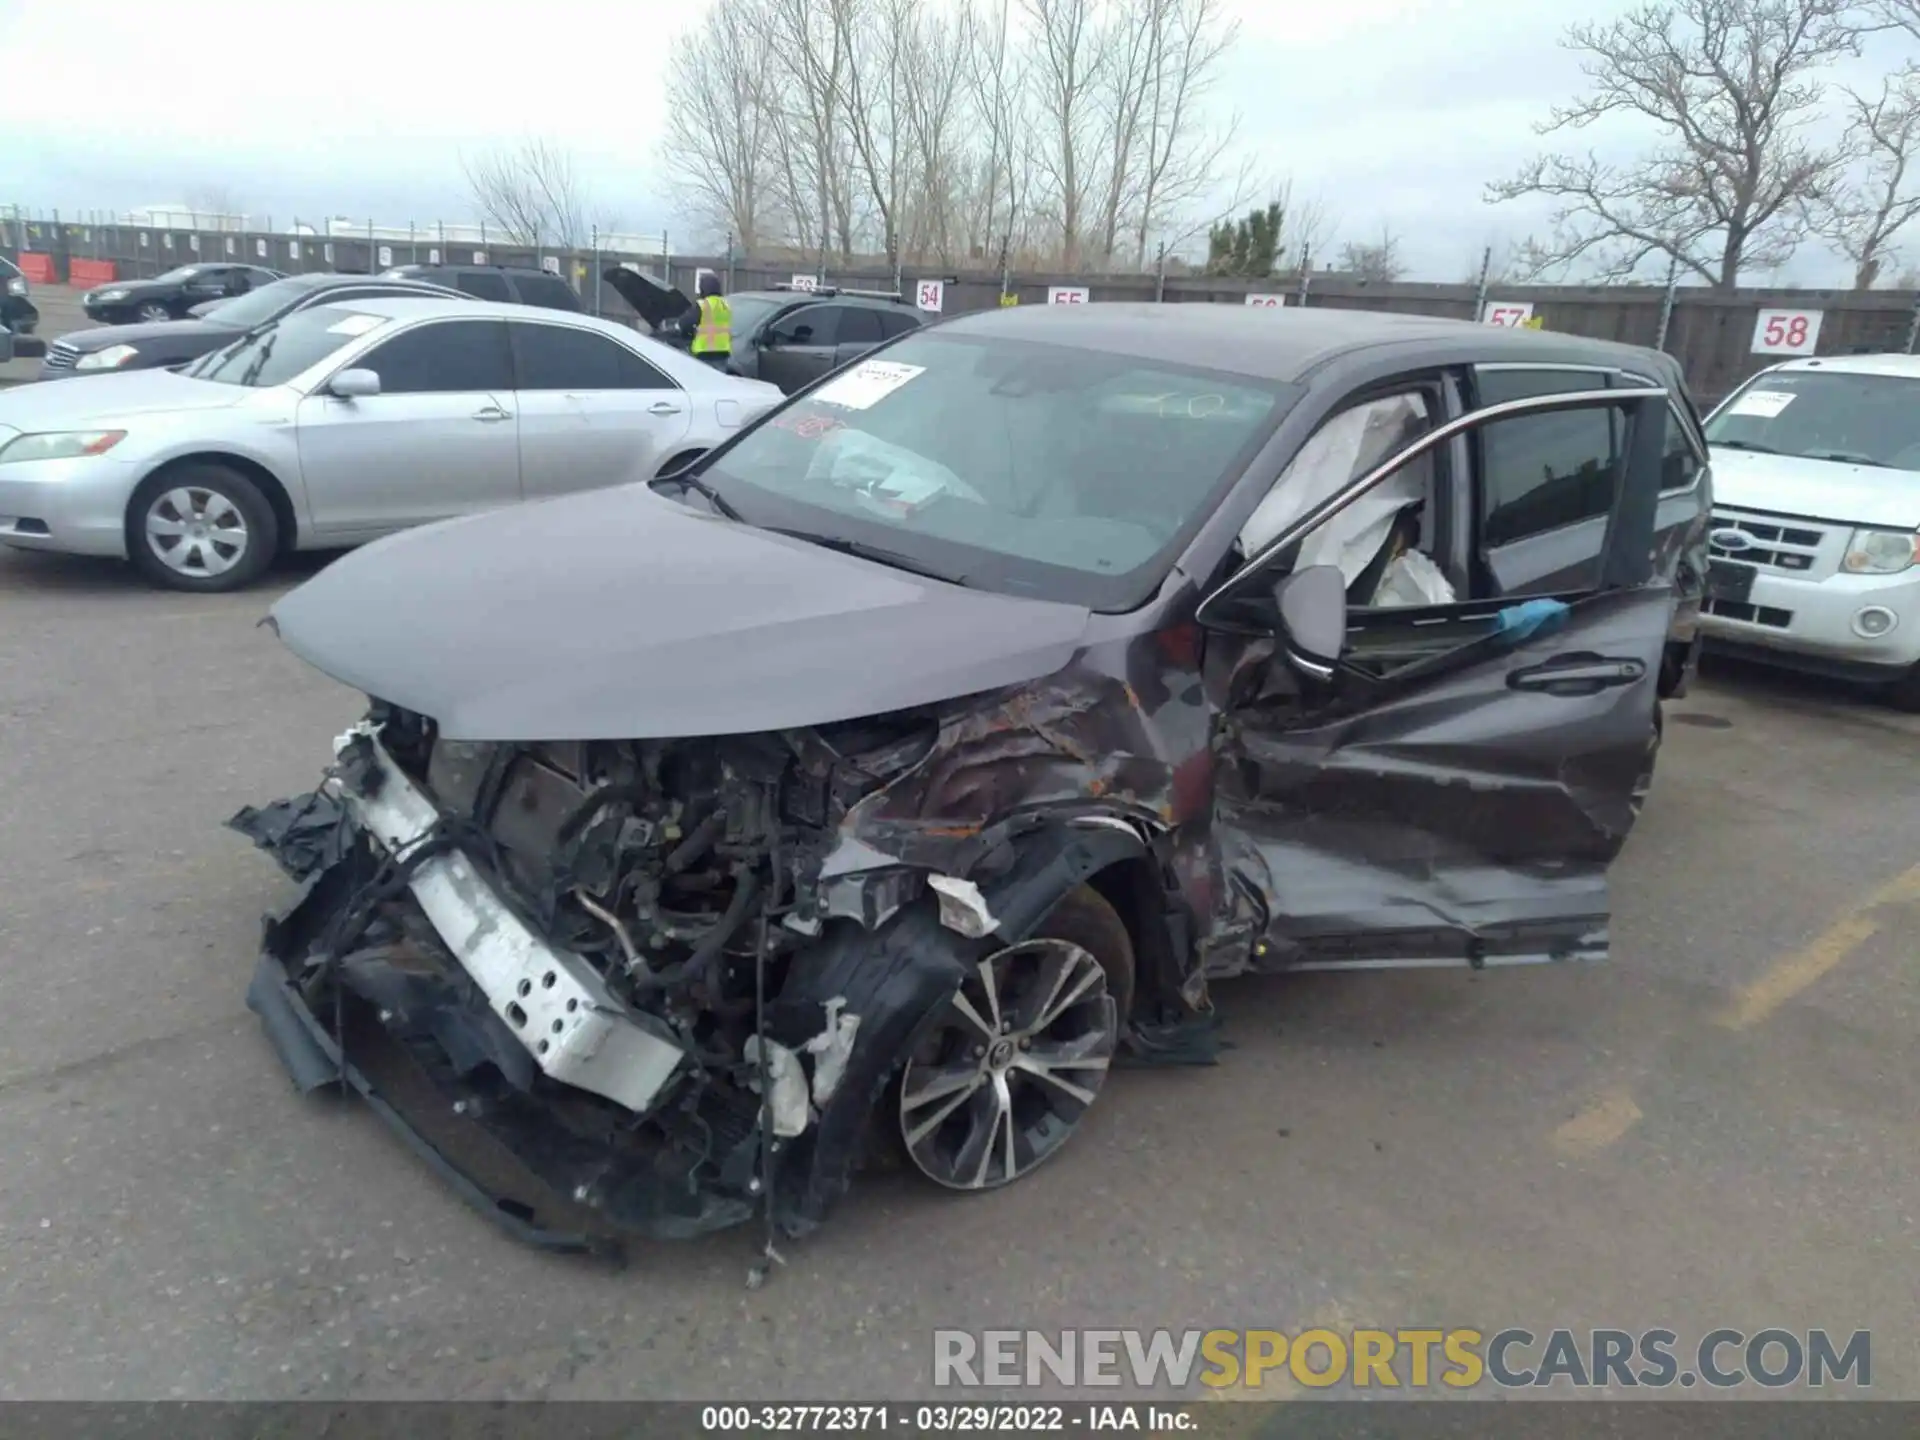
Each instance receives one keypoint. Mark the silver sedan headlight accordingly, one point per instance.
(59, 445)
(107, 359)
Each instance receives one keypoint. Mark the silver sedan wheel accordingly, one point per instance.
(154, 312)
(196, 531)
(1009, 1068)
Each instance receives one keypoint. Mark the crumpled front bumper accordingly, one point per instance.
(405, 1012)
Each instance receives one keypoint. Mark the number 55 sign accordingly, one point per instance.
(1786, 332)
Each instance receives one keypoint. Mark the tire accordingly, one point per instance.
(679, 462)
(1001, 1077)
(1904, 693)
(173, 502)
(152, 312)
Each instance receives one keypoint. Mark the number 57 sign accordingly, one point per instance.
(1786, 332)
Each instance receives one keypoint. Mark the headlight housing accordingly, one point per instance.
(106, 359)
(60, 445)
(106, 295)
(1881, 552)
(17, 285)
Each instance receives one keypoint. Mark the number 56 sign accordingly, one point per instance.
(1786, 332)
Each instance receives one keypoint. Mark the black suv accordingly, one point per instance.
(169, 296)
(789, 338)
(113, 348)
(495, 282)
(16, 310)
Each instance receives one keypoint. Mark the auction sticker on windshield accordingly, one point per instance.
(1764, 403)
(867, 384)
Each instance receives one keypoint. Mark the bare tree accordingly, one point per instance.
(1179, 159)
(1307, 227)
(212, 199)
(1730, 84)
(1066, 74)
(1867, 209)
(811, 44)
(719, 145)
(531, 193)
(1375, 260)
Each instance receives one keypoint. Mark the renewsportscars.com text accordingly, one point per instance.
(1412, 1359)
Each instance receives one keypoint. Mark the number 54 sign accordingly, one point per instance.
(1786, 332)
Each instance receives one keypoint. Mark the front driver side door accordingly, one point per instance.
(797, 349)
(440, 439)
(1455, 794)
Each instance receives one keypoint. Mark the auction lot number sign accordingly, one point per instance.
(1066, 294)
(1787, 332)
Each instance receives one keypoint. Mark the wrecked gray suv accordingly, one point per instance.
(909, 761)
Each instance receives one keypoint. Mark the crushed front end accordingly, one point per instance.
(610, 989)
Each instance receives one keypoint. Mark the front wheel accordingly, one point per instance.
(1005, 1073)
(151, 312)
(1904, 693)
(201, 527)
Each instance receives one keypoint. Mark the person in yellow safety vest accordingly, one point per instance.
(713, 335)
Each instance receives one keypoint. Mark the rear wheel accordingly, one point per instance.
(1009, 1068)
(201, 527)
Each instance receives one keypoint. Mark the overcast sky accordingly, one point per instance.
(1392, 112)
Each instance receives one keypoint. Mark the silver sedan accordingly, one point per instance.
(342, 423)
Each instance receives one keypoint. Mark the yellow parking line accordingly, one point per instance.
(1602, 1123)
(1792, 973)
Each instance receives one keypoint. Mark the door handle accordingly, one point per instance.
(663, 407)
(488, 414)
(1577, 675)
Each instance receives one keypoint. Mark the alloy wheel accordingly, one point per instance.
(152, 313)
(1006, 1072)
(196, 531)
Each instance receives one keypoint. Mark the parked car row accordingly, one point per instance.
(1814, 558)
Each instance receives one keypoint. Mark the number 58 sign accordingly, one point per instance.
(1786, 332)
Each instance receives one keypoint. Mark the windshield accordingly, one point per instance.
(256, 307)
(178, 273)
(274, 354)
(1069, 474)
(1825, 415)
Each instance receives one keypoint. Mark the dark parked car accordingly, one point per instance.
(956, 726)
(496, 282)
(114, 348)
(788, 337)
(17, 312)
(171, 295)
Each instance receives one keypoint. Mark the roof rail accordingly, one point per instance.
(894, 295)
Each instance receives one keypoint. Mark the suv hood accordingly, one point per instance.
(656, 302)
(201, 332)
(620, 614)
(109, 398)
(1816, 489)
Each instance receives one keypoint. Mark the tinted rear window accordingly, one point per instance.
(483, 284)
(549, 291)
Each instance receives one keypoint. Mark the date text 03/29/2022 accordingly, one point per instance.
(943, 1419)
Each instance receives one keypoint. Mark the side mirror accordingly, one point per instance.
(1313, 619)
(354, 385)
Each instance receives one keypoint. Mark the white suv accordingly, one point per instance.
(1815, 548)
